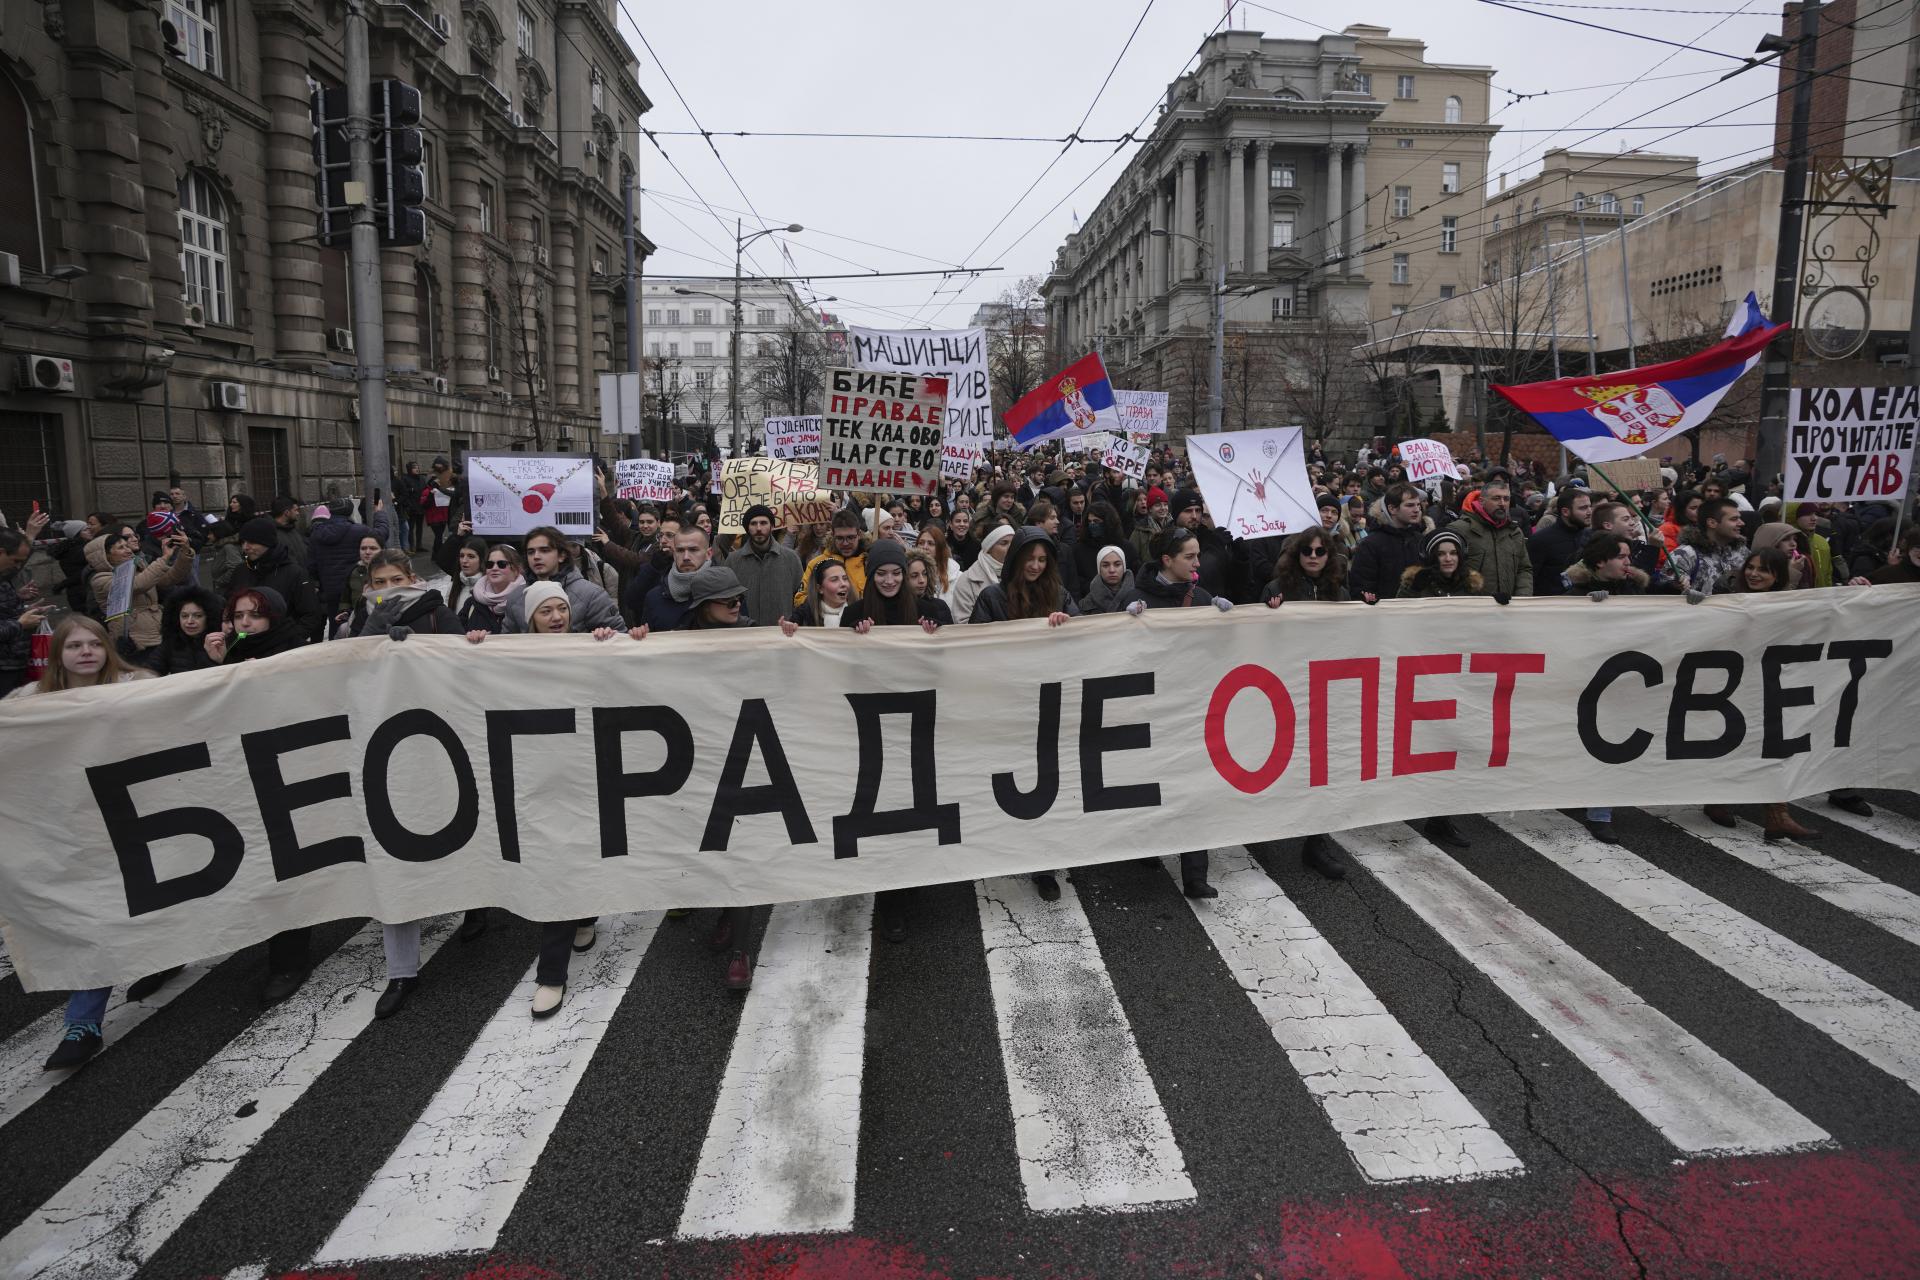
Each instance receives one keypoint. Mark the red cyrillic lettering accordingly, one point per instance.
(1507, 668)
(1319, 676)
(1241, 678)
(1409, 711)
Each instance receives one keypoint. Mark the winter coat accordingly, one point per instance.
(296, 544)
(1579, 579)
(1423, 582)
(333, 552)
(980, 575)
(1892, 573)
(856, 569)
(771, 577)
(1155, 592)
(275, 570)
(589, 606)
(931, 608)
(1497, 554)
(993, 604)
(176, 652)
(16, 641)
(223, 559)
(1306, 589)
(141, 626)
(1218, 567)
(1696, 565)
(661, 612)
(1386, 553)
(1101, 598)
(1555, 544)
(427, 614)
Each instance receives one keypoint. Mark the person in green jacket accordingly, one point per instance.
(1495, 544)
(1805, 516)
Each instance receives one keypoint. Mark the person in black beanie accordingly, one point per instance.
(768, 570)
(267, 564)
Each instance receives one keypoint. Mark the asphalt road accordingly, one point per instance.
(1697, 1055)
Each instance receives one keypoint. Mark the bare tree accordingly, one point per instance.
(526, 340)
(788, 373)
(1507, 323)
(1186, 373)
(1320, 385)
(1017, 350)
(1389, 368)
(664, 397)
(1248, 382)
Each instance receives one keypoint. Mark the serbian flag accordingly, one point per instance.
(1625, 414)
(1073, 402)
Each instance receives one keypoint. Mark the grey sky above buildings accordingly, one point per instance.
(1031, 68)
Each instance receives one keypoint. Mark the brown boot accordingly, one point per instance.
(1721, 815)
(1781, 826)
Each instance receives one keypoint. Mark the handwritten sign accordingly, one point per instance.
(1851, 444)
(957, 355)
(882, 432)
(1426, 460)
(1126, 457)
(792, 437)
(1142, 411)
(1255, 482)
(643, 479)
(783, 484)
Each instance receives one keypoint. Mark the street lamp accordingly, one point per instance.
(1219, 292)
(740, 242)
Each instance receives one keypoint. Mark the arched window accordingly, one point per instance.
(1453, 111)
(1536, 207)
(426, 317)
(20, 230)
(1579, 202)
(1609, 203)
(1639, 205)
(204, 251)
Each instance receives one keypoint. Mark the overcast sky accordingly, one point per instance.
(1033, 67)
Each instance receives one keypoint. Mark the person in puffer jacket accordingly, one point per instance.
(138, 630)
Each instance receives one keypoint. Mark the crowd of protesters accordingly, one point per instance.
(1033, 536)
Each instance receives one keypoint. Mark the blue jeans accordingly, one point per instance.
(88, 1006)
(1599, 815)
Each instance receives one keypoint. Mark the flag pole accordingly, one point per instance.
(1624, 497)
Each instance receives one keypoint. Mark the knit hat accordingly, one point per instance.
(1329, 500)
(260, 531)
(162, 523)
(715, 582)
(886, 551)
(1000, 534)
(1184, 499)
(1156, 494)
(537, 594)
(323, 512)
(1440, 539)
(1116, 549)
(756, 510)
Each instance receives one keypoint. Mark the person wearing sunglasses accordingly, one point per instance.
(1309, 568)
(497, 589)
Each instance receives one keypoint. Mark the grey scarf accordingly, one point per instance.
(680, 585)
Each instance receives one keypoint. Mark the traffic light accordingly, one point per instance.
(399, 181)
(333, 166)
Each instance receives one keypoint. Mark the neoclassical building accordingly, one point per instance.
(157, 242)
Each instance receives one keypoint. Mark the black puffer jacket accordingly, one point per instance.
(1386, 553)
(176, 652)
(277, 572)
(1157, 593)
(333, 549)
(992, 603)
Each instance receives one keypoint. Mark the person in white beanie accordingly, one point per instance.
(985, 570)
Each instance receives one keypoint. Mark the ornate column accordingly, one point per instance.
(1262, 204)
(469, 275)
(1357, 213)
(401, 313)
(566, 314)
(1236, 207)
(299, 307)
(161, 164)
(1184, 219)
(1157, 245)
(1216, 211)
(1335, 180)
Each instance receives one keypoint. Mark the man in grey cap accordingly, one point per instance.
(769, 572)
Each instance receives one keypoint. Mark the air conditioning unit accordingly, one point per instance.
(196, 315)
(340, 339)
(9, 270)
(42, 373)
(541, 256)
(441, 385)
(229, 397)
(493, 373)
(444, 25)
(593, 148)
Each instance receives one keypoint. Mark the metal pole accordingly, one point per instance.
(1913, 376)
(363, 270)
(1626, 300)
(1769, 457)
(1586, 287)
(733, 375)
(1553, 337)
(1215, 373)
(633, 318)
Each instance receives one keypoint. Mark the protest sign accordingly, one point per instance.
(643, 479)
(785, 485)
(792, 437)
(165, 821)
(1142, 411)
(1126, 457)
(1094, 442)
(620, 404)
(1255, 482)
(509, 494)
(958, 355)
(1627, 475)
(1851, 444)
(882, 432)
(957, 463)
(1426, 460)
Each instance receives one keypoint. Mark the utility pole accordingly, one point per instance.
(363, 269)
(1626, 298)
(1216, 369)
(733, 355)
(1770, 456)
(633, 314)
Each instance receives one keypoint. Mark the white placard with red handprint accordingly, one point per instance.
(1255, 482)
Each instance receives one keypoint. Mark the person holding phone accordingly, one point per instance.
(19, 617)
(135, 621)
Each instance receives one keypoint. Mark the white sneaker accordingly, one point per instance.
(583, 938)
(546, 1000)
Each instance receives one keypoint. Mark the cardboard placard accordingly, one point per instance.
(786, 485)
(1851, 444)
(882, 432)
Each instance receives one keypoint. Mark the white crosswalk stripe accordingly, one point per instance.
(22, 1083)
(6, 962)
(1881, 1029)
(454, 1179)
(107, 1222)
(781, 1150)
(1892, 908)
(1695, 1097)
(1886, 825)
(1399, 1115)
(1087, 1122)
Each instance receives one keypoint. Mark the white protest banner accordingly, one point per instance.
(169, 820)
(957, 463)
(511, 493)
(785, 485)
(1255, 482)
(620, 404)
(882, 432)
(1426, 460)
(1126, 457)
(958, 355)
(1142, 411)
(1851, 444)
(1094, 442)
(643, 479)
(792, 437)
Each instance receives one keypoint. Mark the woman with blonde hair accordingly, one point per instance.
(932, 539)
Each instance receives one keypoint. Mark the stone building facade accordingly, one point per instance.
(1576, 191)
(689, 326)
(166, 153)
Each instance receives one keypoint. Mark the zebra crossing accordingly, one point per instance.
(1563, 956)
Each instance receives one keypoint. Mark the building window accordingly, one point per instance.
(1283, 303)
(703, 379)
(204, 251)
(1402, 268)
(426, 317)
(1639, 205)
(1364, 80)
(1282, 232)
(269, 468)
(1449, 235)
(597, 91)
(1284, 177)
(1403, 87)
(1399, 308)
(1403, 202)
(673, 350)
(429, 180)
(1535, 211)
(1405, 144)
(653, 315)
(703, 349)
(703, 315)
(653, 348)
(1453, 111)
(1496, 224)
(1450, 176)
(763, 316)
(1609, 203)
(1446, 291)
(20, 229)
(198, 24)
(673, 315)
(526, 33)
(767, 351)
(1579, 202)
(673, 381)
(486, 208)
